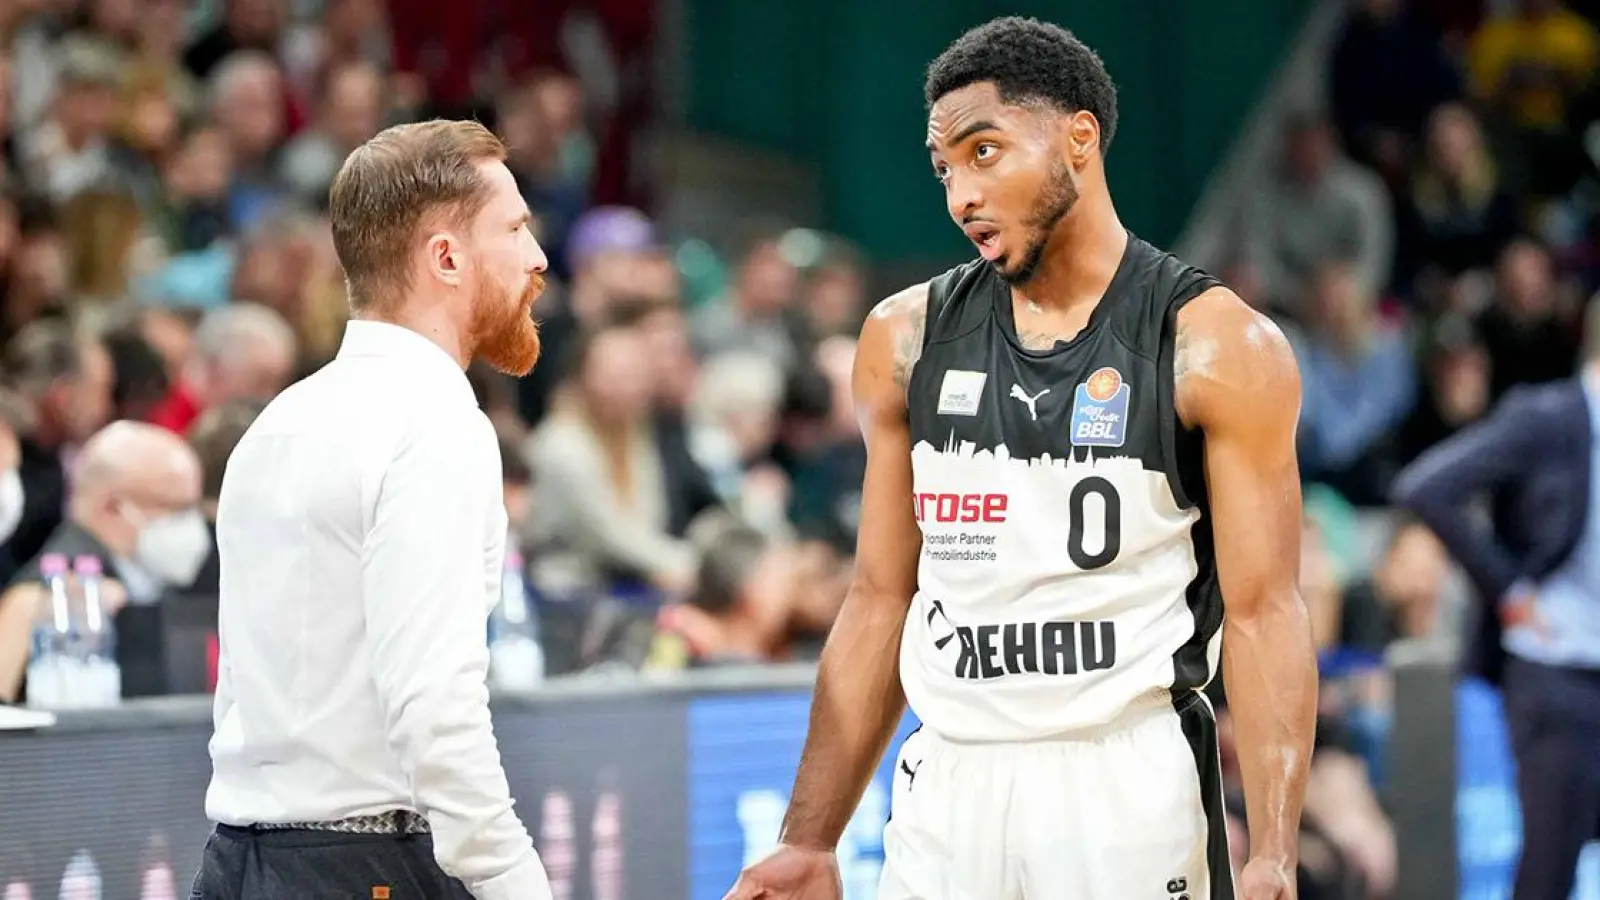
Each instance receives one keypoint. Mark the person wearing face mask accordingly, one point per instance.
(136, 506)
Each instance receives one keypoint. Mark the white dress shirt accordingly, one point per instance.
(362, 531)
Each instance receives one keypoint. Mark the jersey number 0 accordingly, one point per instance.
(1112, 542)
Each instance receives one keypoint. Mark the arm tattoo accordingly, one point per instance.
(908, 311)
(908, 349)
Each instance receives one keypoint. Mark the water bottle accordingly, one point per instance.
(605, 857)
(558, 848)
(81, 881)
(516, 660)
(157, 882)
(50, 681)
(96, 637)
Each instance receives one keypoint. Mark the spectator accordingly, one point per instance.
(1456, 215)
(64, 379)
(820, 447)
(141, 382)
(1402, 599)
(608, 249)
(135, 507)
(246, 101)
(535, 150)
(740, 606)
(1320, 207)
(1529, 331)
(1455, 388)
(241, 352)
(754, 314)
(1358, 384)
(1387, 70)
(246, 25)
(835, 295)
(350, 112)
(1530, 60)
(37, 278)
(600, 495)
(68, 152)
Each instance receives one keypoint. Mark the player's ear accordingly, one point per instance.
(1083, 136)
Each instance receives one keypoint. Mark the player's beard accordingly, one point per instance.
(505, 335)
(1056, 199)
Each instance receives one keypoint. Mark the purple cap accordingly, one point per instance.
(86, 565)
(611, 229)
(53, 564)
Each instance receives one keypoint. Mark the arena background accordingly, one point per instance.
(165, 163)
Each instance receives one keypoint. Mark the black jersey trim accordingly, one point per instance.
(1199, 727)
(1182, 448)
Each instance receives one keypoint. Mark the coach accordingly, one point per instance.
(1536, 564)
(362, 532)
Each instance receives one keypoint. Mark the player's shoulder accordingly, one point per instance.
(1228, 355)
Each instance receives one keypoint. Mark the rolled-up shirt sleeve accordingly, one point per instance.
(426, 600)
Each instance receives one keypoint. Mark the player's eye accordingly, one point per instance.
(986, 152)
(941, 171)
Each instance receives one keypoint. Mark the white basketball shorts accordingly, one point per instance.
(1132, 813)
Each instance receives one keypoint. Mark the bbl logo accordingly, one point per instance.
(1100, 410)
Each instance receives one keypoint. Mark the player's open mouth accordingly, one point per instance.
(986, 237)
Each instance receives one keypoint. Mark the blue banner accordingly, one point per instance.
(1488, 818)
(743, 752)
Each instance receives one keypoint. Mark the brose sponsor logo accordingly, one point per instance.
(960, 507)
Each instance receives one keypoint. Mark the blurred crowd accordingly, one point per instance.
(1429, 239)
(682, 469)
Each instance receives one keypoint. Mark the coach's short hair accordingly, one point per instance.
(389, 186)
(1029, 61)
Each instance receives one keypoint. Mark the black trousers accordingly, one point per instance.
(1554, 717)
(241, 864)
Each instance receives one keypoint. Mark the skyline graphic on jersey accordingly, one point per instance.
(1080, 457)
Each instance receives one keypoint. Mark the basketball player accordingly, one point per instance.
(1080, 455)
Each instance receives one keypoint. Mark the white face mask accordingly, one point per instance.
(174, 547)
(10, 503)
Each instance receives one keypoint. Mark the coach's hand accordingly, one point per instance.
(790, 873)
(1266, 879)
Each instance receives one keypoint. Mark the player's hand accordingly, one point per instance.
(1266, 879)
(790, 873)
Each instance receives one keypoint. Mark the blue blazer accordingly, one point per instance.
(1531, 458)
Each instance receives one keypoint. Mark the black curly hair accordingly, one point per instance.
(1028, 61)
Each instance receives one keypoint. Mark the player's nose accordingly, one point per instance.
(962, 197)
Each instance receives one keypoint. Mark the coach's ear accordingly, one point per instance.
(444, 258)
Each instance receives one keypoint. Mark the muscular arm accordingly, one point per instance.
(858, 700)
(1237, 383)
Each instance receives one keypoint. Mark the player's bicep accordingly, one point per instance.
(1242, 389)
(888, 540)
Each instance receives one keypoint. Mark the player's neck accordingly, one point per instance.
(1081, 258)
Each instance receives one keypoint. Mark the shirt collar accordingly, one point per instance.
(369, 338)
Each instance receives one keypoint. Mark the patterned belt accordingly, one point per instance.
(395, 821)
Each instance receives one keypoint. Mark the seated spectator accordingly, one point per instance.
(37, 278)
(1319, 207)
(1455, 387)
(1526, 65)
(1530, 332)
(733, 418)
(600, 498)
(756, 311)
(213, 436)
(141, 382)
(1401, 599)
(1358, 383)
(740, 606)
(1456, 215)
(135, 506)
(1388, 68)
(64, 378)
(241, 351)
(351, 111)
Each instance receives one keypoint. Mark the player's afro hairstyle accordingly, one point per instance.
(1028, 61)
